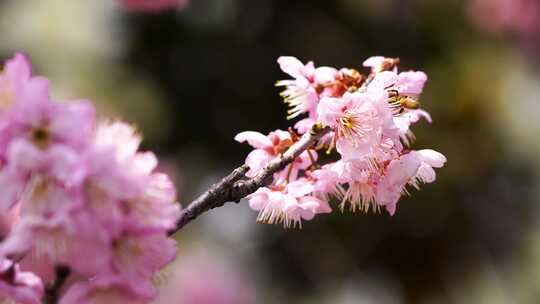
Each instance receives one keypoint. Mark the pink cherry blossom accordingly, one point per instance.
(411, 83)
(17, 286)
(14, 80)
(71, 240)
(300, 93)
(411, 168)
(370, 129)
(269, 147)
(8, 219)
(304, 125)
(38, 136)
(358, 179)
(380, 63)
(405, 83)
(289, 205)
(360, 121)
(137, 257)
(396, 176)
(429, 159)
(156, 209)
(325, 178)
(104, 289)
(374, 62)
(202, 277)
(79, 194)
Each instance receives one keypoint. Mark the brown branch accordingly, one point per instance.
(52, 291)
(236, 186)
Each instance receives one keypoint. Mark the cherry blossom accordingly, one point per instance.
(77, 193)
(17, 286)
(370, 117)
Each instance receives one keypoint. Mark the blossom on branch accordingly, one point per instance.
(370, 118)
(77, 193)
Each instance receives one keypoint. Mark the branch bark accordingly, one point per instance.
(236, 186)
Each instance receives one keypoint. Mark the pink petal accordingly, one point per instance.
(383, 81)
(291, 65)
(257, 160)
(330, 110)
(391, 208)
(411, 83)
(67, 115)
(259, 198)
(18, 67)
(432, 158)
(300, 188)
(304, 125)
(325, 75)
(373, 62)
(426, 173)
(255, 139)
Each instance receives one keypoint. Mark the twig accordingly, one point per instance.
(52, 290)
(235, 186)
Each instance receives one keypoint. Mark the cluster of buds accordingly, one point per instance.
(76, 193)
(370, 118)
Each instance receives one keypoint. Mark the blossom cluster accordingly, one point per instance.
(76, 192)
(370, 118)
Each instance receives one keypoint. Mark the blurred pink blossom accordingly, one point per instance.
(517, 16)
(201, 278)
(79, 193)
(17, 286)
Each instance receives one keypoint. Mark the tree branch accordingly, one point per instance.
(52, 290)
(235, 186)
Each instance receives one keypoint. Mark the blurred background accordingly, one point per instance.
(191, 79)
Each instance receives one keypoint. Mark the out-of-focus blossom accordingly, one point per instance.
(136, 258)
(7, 220)
(17, 286)
(104, 289)
(517, 16)
(153, 5)
(200, 278)
(80, 194)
